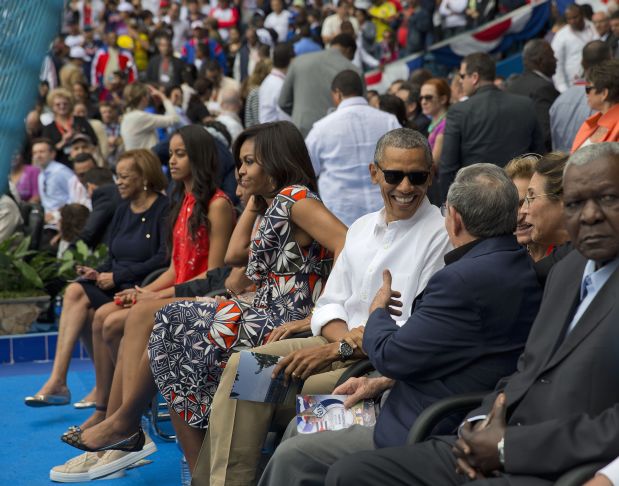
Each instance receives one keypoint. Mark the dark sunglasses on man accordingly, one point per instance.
(394, 177)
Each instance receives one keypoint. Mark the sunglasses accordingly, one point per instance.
(394, 177)
(426, 97)
(589, 88)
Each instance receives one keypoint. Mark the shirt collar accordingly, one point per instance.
(381, 218)
(457, 253)
(597, 278)
(353, 101)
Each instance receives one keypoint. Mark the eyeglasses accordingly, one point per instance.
(426, 97)
(394, 177)
(528, 199)
(589, 88)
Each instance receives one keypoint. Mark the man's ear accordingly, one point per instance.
(373, 173)
(457, 224)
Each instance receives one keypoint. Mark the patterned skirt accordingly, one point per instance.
(190, 346)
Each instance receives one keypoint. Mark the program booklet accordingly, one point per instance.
(253, 380)
(316, 413)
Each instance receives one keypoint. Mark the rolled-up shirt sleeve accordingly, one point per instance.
(331, 304)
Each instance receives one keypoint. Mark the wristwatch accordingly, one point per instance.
(501, 447)
(345, 351)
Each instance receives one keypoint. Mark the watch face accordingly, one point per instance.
(346, 350)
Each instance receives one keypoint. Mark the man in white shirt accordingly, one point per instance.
(407, 236)
(278, 20)
(268, 94)
(341, 146)
(608, 476)
(229, 116)
(568, 44)
(332, 24)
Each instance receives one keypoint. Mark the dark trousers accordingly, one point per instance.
(429, 463)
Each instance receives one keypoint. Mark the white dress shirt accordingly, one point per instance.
(612, 472)
(567, 45)
(78, 193)
(411, 249)
(341, 146)
(268, 96)
(279, 23)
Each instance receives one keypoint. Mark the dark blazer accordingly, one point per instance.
(465, 333)
(152, 71)
(491, 126)
(563, 402)
(105, 200)
(543, 93)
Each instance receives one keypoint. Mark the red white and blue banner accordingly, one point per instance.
(497, 36)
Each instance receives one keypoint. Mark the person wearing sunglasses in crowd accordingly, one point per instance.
(406, 236)
(602, 96)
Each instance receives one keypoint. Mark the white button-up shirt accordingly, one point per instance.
(268, 96)
(411, 249)
(567, 45)
(341, 146)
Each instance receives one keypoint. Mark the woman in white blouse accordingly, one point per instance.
(138, 127)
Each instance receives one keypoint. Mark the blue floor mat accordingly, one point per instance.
(30, 445)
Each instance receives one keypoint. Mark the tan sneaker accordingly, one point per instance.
(76, 469)
(115, 461)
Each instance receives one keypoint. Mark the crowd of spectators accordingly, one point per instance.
(462, 234)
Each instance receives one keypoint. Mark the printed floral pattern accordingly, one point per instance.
(191, 341)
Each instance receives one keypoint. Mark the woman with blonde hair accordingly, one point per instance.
(64, 125)
(250, 90)
(138, 128)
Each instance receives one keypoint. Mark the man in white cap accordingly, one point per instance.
(73, 71)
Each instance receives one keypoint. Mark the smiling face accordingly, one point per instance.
(251, 174)
(591, 196)
(542, 213)
(128, 179)
(523, 229)
(180, 166)
(401, 200)
(61, 106)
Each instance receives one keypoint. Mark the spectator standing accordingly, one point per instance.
(383, 13)
(226, 16)
(247, 57)
(570, 109)
(332, 25)
(453, 17)
(306, 92)
(251, 92)
(73, 71)
(491, 125)
(179, 27)
(278, 20)
(341, 146)
(568, 44)
(108, 60)
(305, 43)
(164, 69)
(536, 82)
(214, 73)
(271, 87)
(229, 115)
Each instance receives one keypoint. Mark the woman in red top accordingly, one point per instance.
(203, 219)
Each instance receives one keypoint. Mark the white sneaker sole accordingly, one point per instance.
(120, 464)
(61, 477)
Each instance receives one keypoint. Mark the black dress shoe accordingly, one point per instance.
(130, 444)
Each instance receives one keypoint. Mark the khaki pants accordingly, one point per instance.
(237, 428)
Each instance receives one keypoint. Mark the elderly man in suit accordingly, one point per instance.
(306, 93)
(490, 126)
(536, 82)
(560, 409)
(465, 331)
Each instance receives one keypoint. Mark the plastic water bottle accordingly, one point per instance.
(185, 473)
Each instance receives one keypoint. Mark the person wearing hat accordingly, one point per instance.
(82, 156)
(73, 71)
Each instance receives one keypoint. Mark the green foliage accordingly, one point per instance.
(25, 272)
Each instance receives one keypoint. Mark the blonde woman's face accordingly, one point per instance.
(61, 106)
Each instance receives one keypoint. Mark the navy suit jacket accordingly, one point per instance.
(465, 333)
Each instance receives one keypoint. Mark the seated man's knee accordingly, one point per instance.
(73, 293)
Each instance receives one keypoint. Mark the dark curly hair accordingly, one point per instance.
(202, 154)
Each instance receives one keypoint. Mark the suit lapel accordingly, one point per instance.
(598, 309)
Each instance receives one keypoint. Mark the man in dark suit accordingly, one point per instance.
(490, 126)
(466, 330)
(560, 409)
(105, 199)
(164, 69)
(536, 82)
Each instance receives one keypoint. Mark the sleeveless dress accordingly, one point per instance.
(192, 341)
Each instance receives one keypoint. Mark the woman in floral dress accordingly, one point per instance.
(289, 259)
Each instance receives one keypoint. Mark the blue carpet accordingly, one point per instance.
(31, 444)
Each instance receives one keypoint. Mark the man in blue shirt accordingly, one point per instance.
(53, 181)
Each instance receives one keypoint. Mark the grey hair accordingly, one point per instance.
(592, 152)
(486, 199)
(403, 138)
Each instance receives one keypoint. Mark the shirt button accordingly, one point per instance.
(544, 381)
(147, 235)
(143, 220)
